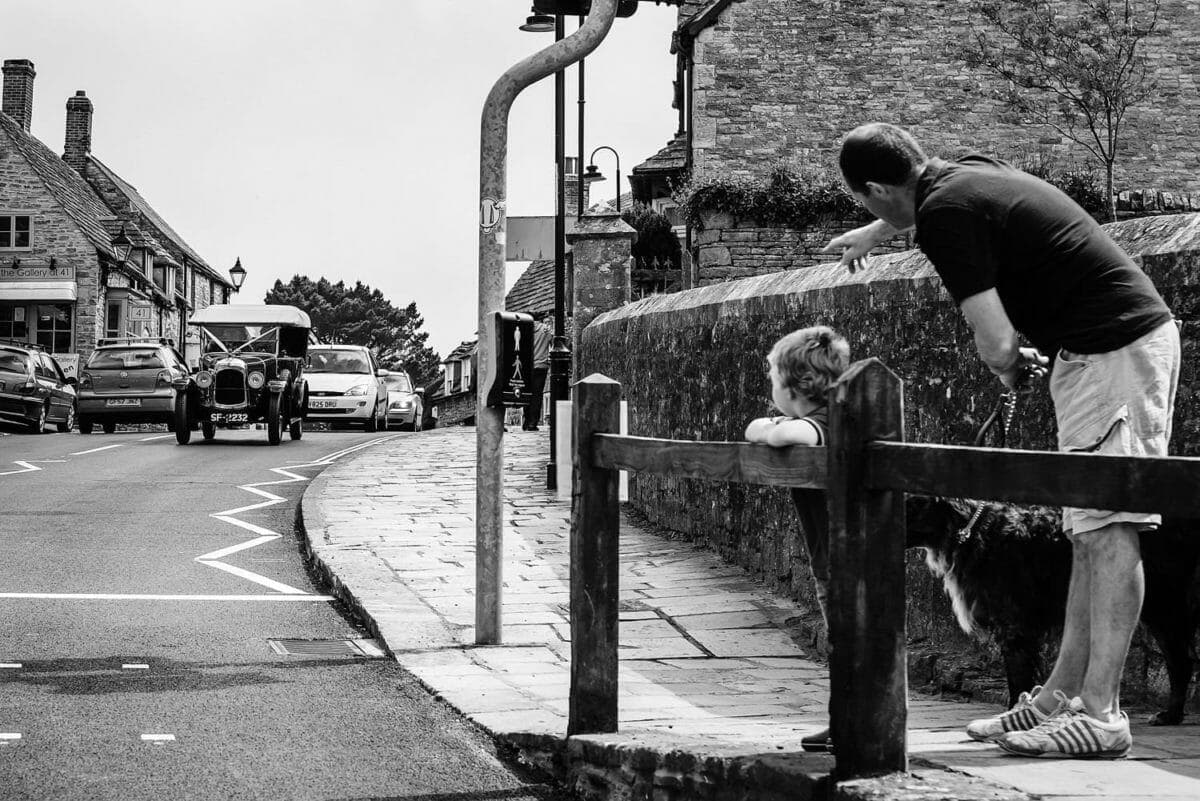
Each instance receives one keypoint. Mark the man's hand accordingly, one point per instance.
(856, 245)
(1030, 367)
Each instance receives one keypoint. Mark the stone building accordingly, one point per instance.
(764, 82)
(66, 281)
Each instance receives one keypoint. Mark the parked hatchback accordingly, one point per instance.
(33, 389)
(345, 386)
(405, 404)
(129, 380)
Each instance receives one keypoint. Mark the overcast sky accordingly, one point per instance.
(335, 139)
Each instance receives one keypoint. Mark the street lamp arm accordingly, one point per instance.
(616, 155)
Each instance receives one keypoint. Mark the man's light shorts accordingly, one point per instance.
(1118, 403)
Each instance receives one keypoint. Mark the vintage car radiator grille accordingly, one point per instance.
(230, 387)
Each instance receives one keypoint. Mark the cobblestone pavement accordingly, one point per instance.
(706, 663)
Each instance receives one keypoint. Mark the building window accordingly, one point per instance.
(12, 323)
(54, 324)
(112, 320)
(14, 231)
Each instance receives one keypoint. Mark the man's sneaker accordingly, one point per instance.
(1023, 716)
(1073, 734)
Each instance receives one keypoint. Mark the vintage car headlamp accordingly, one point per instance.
(255, 380)
(204, 379)
(358, 389)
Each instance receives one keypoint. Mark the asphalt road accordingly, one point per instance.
(141, 585)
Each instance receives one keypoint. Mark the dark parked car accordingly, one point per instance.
(129, 380)
(33, 389)
(251, 371)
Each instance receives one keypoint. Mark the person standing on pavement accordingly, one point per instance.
(541, 367)
(803, 365)
(1019, 257)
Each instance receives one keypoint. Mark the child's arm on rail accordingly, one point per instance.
(779, 432)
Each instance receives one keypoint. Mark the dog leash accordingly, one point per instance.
(1007, 407)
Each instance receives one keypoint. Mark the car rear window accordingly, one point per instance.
(125, 359)
(14, 362)
(338, 361)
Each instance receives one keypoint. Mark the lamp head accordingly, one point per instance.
(237, 274)
(122, 244)
(538, 22)
(593, 174)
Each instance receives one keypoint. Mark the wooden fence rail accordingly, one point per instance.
(866, 470)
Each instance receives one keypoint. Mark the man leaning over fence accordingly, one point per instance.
(802, 366)
(1019, 257)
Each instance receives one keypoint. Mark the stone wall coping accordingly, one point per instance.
(1143, 237)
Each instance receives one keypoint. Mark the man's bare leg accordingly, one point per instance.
(1117, 586)
(1073, 652)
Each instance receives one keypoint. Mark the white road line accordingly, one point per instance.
(158, 738)
(213, 558)
(157, 436)
(26, 467)
(97, 450)
(135, 666)
(10, 665)
(113, 596)
(9, 735)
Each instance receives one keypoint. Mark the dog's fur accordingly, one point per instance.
(1008, 576)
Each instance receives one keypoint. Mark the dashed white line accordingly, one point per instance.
(97, 450)
(156, 436)
(10, 665)
(7, 736)
(158, 738)
(135, 666)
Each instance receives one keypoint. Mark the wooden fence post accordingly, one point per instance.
(595, 528)
(868, 703)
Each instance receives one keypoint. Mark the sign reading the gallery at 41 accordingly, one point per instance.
(36, 273)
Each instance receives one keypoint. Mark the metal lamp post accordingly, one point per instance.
(594, 174)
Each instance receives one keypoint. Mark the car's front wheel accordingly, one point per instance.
(296, 429)
(183, 431)
(109, 427)
(208, 429)
(85, 425)
(275, 420)
(372, 423)
(69, 423)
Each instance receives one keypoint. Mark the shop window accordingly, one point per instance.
(54, 327)
(12, 323)
(14, 231)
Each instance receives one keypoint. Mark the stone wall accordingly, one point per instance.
(692, 366)
(782, 80)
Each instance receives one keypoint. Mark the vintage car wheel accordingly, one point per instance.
(208, 429)
(183, 432)
(69, 423)
(296, 429)
(109, 427)
(275, 420)
(85, 425)
(38, 425)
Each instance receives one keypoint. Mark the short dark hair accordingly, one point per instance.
(879, 152)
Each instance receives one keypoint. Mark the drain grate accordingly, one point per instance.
(360, 648)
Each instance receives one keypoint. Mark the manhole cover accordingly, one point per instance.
(363, 648)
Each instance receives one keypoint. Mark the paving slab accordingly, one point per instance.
(714, 694)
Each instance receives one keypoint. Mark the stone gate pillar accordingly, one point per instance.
(601, 244)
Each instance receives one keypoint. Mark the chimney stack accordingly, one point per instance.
(571, 182)
(18, 90)
(79, 131)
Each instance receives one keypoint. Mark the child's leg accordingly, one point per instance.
(814, 521)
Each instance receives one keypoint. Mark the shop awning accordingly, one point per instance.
(37, 290)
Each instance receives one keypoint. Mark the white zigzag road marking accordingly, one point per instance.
(26, 467)
(213, 558)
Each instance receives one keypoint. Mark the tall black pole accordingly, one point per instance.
(579, 209)
(560, 354)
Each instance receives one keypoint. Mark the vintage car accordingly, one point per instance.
(251, 371)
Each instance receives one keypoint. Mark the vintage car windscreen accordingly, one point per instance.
(233, 338)
(125, 359)
(337, 361)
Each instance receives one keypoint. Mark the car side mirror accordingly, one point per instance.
(72, 381)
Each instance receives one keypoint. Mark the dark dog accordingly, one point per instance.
(1008, 576)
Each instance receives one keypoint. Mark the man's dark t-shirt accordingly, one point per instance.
(1063, 282)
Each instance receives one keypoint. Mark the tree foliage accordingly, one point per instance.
(786, 198)
(359, 315)
(656, 241)
(1074, 67)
